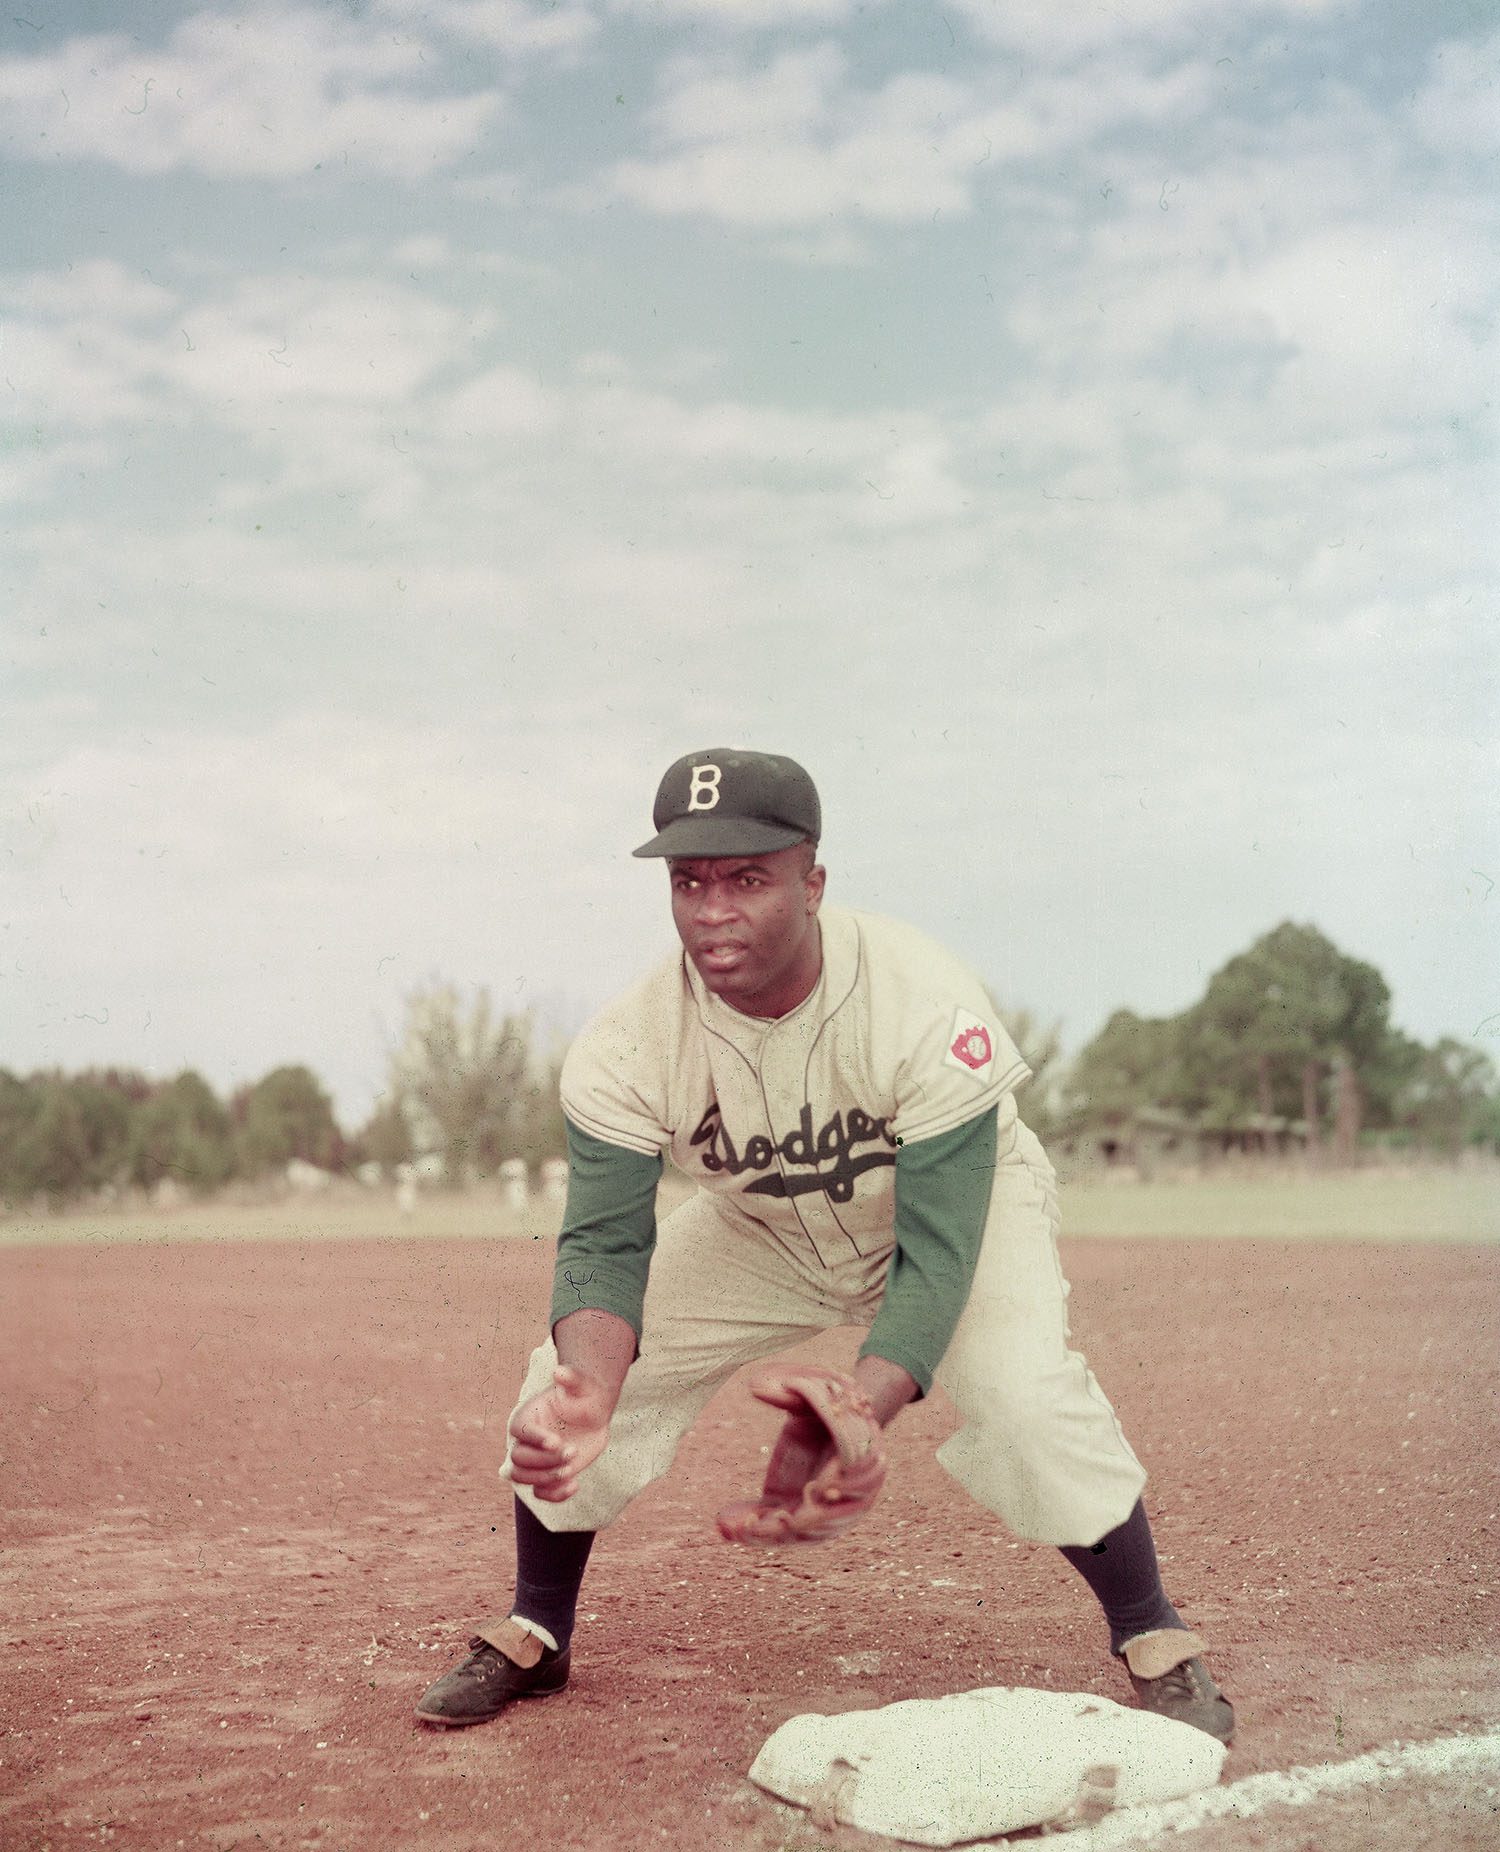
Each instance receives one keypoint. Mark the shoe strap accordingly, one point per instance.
(509, 1637)
(1153, 1655)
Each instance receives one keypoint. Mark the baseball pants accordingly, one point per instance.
(1037, 1443)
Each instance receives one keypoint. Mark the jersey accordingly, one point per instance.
(795, 1125)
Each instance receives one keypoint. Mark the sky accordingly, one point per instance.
(1068, 430)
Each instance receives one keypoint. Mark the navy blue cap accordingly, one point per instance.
(726, 801)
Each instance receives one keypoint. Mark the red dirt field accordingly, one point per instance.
(251, 1511)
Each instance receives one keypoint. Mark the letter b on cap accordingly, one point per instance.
(703, 792)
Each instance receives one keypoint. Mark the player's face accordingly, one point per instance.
(750, 926)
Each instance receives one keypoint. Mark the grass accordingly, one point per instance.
(1434, 1204)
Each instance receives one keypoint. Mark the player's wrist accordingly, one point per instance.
(889, 1386)
(600, 1346)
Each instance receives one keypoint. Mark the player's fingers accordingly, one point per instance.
(555, 1491)
(544, 1481)
(541, 1459)
(534, 1433)
(779, 1394)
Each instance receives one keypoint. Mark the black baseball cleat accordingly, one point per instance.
(505, 1663)
(1171, 1680)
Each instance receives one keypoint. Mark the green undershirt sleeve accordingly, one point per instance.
(942, 1199)
(608, 1230)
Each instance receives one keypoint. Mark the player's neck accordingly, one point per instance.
(790, 992)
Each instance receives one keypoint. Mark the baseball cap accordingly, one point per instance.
(726, 801)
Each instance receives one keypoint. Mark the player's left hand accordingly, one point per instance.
(827, 1466)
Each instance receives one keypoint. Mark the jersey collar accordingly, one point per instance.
(836, 980)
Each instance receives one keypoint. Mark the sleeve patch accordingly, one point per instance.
(971, 1046)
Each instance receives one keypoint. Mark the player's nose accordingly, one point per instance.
(715, 906)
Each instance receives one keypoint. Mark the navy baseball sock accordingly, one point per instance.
(1121, 1569)
(549, 1573)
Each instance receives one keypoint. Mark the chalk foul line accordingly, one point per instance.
(1474, 1757)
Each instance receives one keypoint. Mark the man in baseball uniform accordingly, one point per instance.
(840, 1090)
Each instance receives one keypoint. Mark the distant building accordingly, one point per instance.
(1156, 1138)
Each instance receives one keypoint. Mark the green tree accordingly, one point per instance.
(19, 1102)
(52, 1155)
(385, 1137)
(182, 1132)
(106, 1105)
(540, 1131)
(284, 1115)
(461, 1077)
(1277, 1021)
(1452, 1097)
(1388, 1080)
(71, 1137)
(1132, 1065)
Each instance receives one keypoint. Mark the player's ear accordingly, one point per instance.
(813, 883)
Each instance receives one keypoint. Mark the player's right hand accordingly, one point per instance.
(558, 1434)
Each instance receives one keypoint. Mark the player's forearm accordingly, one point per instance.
(888, 1386)
(601, 1344)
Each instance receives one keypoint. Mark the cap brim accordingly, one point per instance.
(709, 836)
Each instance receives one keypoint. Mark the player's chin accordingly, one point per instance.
(739, 980)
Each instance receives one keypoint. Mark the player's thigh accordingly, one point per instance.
(1011, 1341)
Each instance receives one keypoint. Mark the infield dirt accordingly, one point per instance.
(251, 1511)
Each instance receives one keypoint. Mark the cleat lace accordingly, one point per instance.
(1181, 1682)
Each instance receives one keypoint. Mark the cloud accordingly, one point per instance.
(268, 93)
(1458, 108)
(320, 374)
(1286, 288)
(791, 146)
(796, 144)
(282, 340)
(500, 403)
(1046, 29)
(384, 389)
(556, 30)
(739, 15)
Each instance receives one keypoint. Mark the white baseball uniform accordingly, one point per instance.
(822, 1143)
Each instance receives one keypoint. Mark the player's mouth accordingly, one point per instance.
(722, 955)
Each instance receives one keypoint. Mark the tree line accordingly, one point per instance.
(1292, 1033)
(465, 1086)
(1292, 1036)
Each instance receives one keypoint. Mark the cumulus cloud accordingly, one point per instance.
(1458, 107)
(1145, 515)
(508, 26)
(798, 144)
(791, 146)
(739, 15)
(268, 93)
(1286, 288)
(320, 374)
(1063, 32)
(350, 384)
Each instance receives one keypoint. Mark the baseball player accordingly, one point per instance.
(839, 1089)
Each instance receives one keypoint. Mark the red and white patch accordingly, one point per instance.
(972, 1047)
